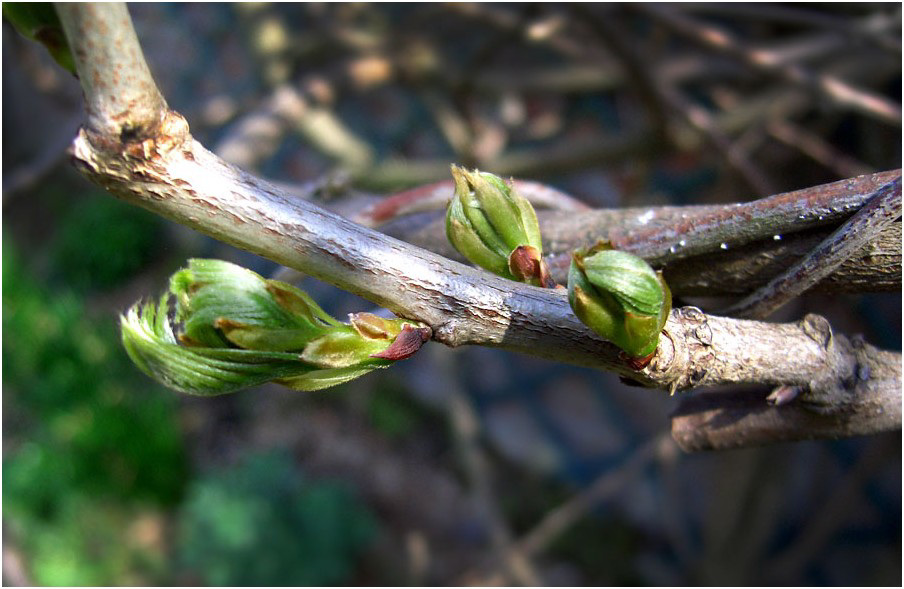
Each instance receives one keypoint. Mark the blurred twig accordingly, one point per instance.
(833, 513)
(657, 94)
(873, 29)
(817, 148)
(831, 87)
(23, 177)
(465, 425)
(603, 488)
(537, 162)
(14, 568)
(562, 517)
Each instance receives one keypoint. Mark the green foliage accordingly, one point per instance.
(101, 242)
(99, 442)
(66, 372)
(260, 523)
(38, 21)
(90, 542)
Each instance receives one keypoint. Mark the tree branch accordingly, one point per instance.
(121, 96)
(880, 212)
(173, 175)
(711, 250)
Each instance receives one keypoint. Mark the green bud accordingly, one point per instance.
(496, 228)
(239, 330)
(620, 297)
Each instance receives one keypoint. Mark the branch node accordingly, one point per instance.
(687, 361)
(817, 328)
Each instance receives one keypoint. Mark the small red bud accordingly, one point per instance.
(406, 344)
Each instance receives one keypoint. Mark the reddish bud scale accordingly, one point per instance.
(406, 344)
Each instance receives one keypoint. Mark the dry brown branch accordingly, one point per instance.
(883, 208)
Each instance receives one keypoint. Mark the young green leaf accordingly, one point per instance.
(240, 330)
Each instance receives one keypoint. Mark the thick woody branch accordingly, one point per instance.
(179, 179)
(173, 175)
(721, 421)
(876, 267)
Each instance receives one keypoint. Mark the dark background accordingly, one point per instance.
(110, 479)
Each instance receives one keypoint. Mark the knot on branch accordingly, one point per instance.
(685, 353)
(844, 370)
(817, 328)
(138, 143)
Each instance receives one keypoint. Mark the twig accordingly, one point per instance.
(720, 421)
(604, 487)
(20, 179)
(436, 196)
(731, 225)
(817, 148)
(733, 271)
(876, 267)
(452, 124)
(257, 135)
(703, 122)
(121, 97)
(537, 162)
(657, 94)
(883, 207)
(15, 571)
(873, 28)
(465, 425)
(643, 79)
(835, 511)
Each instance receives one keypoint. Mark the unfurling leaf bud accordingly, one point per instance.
(620, 297)
(496, 228)
(239, 330)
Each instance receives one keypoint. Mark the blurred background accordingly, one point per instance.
(467, 466)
